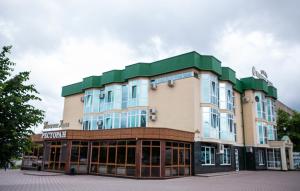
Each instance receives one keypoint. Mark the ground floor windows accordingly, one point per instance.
(151, 157)
(113, 158)
(177, 159)
(261, 157)
(274, 159)
(225, 158)
(55, 155)
(79, 157)
(207, 155)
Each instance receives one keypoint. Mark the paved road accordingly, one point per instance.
(15, 180)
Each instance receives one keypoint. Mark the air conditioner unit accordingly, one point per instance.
(100, 124)
(196, 75)
(246, 99)
(249, 149)
(221, 149)
(153, 117)
(80, 121)
(152, 111)
(82, 99)
(101, 95)
(171, 83)
(153, 86)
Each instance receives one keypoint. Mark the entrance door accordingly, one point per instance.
(54, 158)
(237, 165)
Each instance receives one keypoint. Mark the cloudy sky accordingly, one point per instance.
(61, 42)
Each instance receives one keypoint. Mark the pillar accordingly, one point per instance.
(283, 158)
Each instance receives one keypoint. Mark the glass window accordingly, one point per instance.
(207, 155)
(124, 120)
(261, 160)
(112, 155)
(131, 155)
(133, 92)
(109, 96)
(225, 158)
(262, 132)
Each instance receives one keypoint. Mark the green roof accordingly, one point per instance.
(176, 63)
(252, 83)
(180, 62)
(228, 75)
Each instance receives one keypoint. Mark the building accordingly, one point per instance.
(180, 116)
(282, 106)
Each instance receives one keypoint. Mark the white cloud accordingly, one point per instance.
(77, 58)
(241, 50)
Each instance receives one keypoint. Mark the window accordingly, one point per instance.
(109, 96)
(124, 96)
(113, 157)
(261, 160)
(54, 155)
(261, 105)
(133, 92)
(230, 122)
(177, 159)
(79, 156)
(262, 132)
(150, 166)
(211, 122)
(214, 118)
(209, 89)
(225, 158)
(207, 155)
(274, 159)
(173, 77)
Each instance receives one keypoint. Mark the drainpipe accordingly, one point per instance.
(243, 127)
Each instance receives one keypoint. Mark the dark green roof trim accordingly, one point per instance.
(71, 89)
(251, 83)
(176, 63)
(272, 92)
(238, 86)
(180, 62)
(228, 75)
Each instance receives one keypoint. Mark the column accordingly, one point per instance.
(283, 158)
(291, 158)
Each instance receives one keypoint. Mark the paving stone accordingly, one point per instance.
(16, 180)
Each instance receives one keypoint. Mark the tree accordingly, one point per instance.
(289, 125)
(17, 115)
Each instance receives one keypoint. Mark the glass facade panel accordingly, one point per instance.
(210, 89)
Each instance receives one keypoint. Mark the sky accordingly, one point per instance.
(60, 42)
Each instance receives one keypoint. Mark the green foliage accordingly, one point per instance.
(289, 125)
(16, 113)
